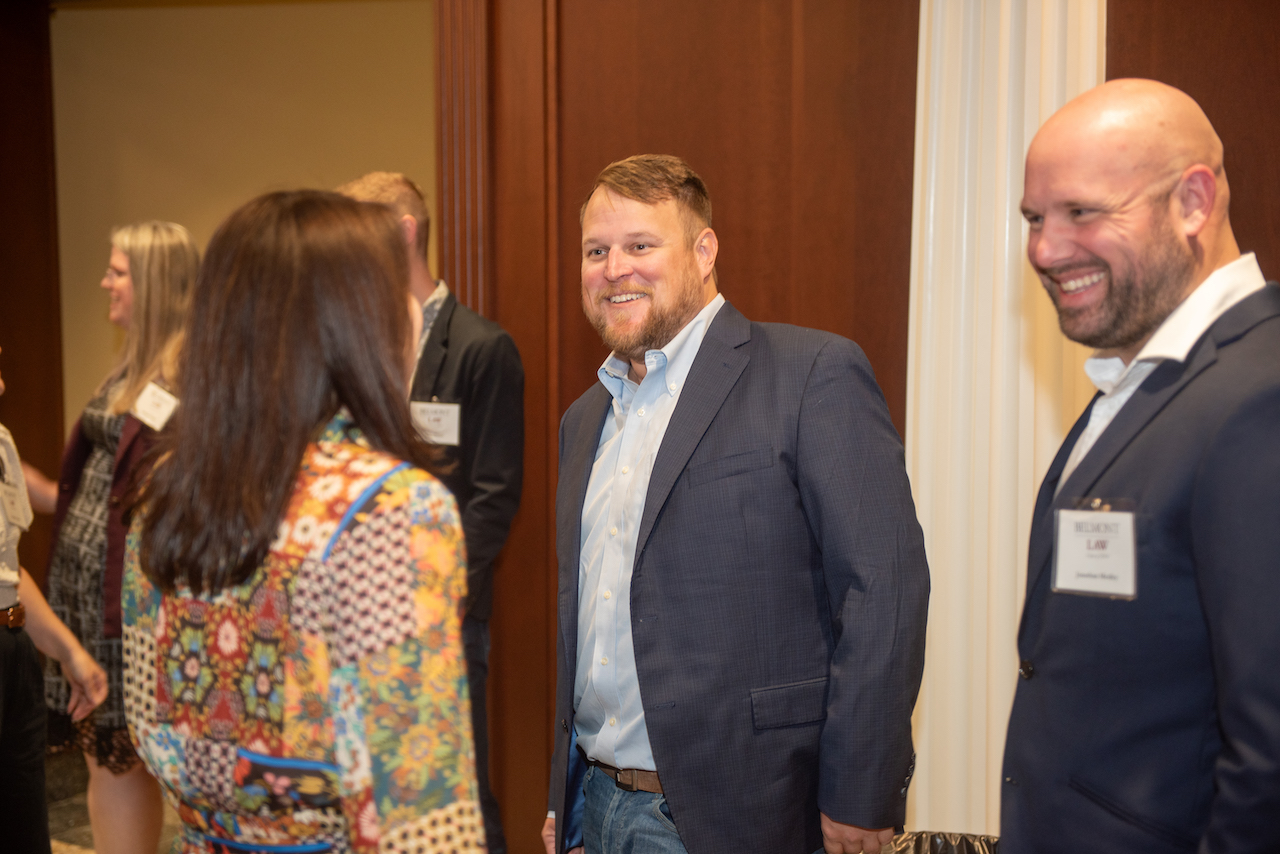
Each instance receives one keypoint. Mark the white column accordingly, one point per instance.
(992, 385)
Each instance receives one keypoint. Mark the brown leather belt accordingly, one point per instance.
(628, 779)
(13, 617)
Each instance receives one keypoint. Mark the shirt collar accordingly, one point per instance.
(672, 362)
(1185, 325)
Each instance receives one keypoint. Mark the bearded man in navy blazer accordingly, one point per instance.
(743, 584)
(1147, 718)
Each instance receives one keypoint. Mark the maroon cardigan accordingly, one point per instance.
(135, 440)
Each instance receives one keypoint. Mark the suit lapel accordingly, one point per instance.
(433, 352)
(720, 361)
(1041, 540)
(575, 471)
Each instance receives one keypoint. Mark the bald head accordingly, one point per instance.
(1127, 199)
(1147, 130)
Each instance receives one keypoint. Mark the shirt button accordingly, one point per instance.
(608, 594)
(626, 469)
(604, 660)
(613, 721)
(641, 412)
(613, 532)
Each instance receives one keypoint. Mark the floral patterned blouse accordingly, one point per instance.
(321, 705)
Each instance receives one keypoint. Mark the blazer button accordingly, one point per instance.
(1026, 669)
(115, 501)
(1011, 781)
(564, 725)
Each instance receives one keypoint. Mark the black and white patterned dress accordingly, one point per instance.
(75, 594)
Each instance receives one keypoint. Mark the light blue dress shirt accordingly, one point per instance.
(606, 691)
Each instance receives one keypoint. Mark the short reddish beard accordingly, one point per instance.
(661, 323)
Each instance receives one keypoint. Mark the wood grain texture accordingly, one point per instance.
(465, 200)
(30, 314)
(1227, 57)
(522, 674)
(799, 116)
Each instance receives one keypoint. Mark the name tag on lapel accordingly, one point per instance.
(1095, 552)
(439, 423)
(154, 406)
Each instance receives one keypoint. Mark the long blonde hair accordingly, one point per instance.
(163, 260)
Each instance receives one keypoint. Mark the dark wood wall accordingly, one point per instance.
(800, 117)
(30, 317)
(1226, 55)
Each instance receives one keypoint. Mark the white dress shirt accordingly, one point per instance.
(606, 691)
(1174, 339)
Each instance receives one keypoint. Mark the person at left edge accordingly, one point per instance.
(27, 624)
(467, 395)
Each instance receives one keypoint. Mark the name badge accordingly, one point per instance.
(1095, 553)
(439, 423)
(154, 406)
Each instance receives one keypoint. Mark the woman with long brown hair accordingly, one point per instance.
(148, 279)
(293, 584)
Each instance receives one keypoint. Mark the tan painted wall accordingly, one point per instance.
(184, 112)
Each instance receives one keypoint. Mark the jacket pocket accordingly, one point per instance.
(789, 705)
(1158, 829)
(729, 466)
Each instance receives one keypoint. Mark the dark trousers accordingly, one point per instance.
(475, 646)
(22, 737)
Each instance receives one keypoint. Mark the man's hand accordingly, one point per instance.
(549, 837)
(88, 683)
(838, 838)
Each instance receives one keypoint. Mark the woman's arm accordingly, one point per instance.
(42, 491)
(54, 639)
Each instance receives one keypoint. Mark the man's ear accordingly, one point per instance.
(706, 245)
(409, 230)
(1194, 198)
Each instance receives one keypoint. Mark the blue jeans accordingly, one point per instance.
(619, 822)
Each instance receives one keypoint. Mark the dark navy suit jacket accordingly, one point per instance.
(778, 595)
(1153, 725)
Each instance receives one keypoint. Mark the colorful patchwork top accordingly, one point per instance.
(321, 705)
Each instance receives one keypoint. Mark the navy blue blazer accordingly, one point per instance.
(778, 596)
(1153, 725)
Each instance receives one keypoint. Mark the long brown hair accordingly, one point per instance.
(163, 260)
(300, 308)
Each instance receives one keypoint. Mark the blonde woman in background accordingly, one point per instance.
(149, 278)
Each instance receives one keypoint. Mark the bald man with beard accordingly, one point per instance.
(1147, 713)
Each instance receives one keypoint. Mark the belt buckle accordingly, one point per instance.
(630, 775)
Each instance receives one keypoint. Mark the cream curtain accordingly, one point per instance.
(992, 385)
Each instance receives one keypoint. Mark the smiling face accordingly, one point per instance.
(1103, 242)
(642, 278)
(119, 285)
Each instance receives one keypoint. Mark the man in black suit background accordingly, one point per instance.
(742, 582)
(1147, 715)
(467, 395)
